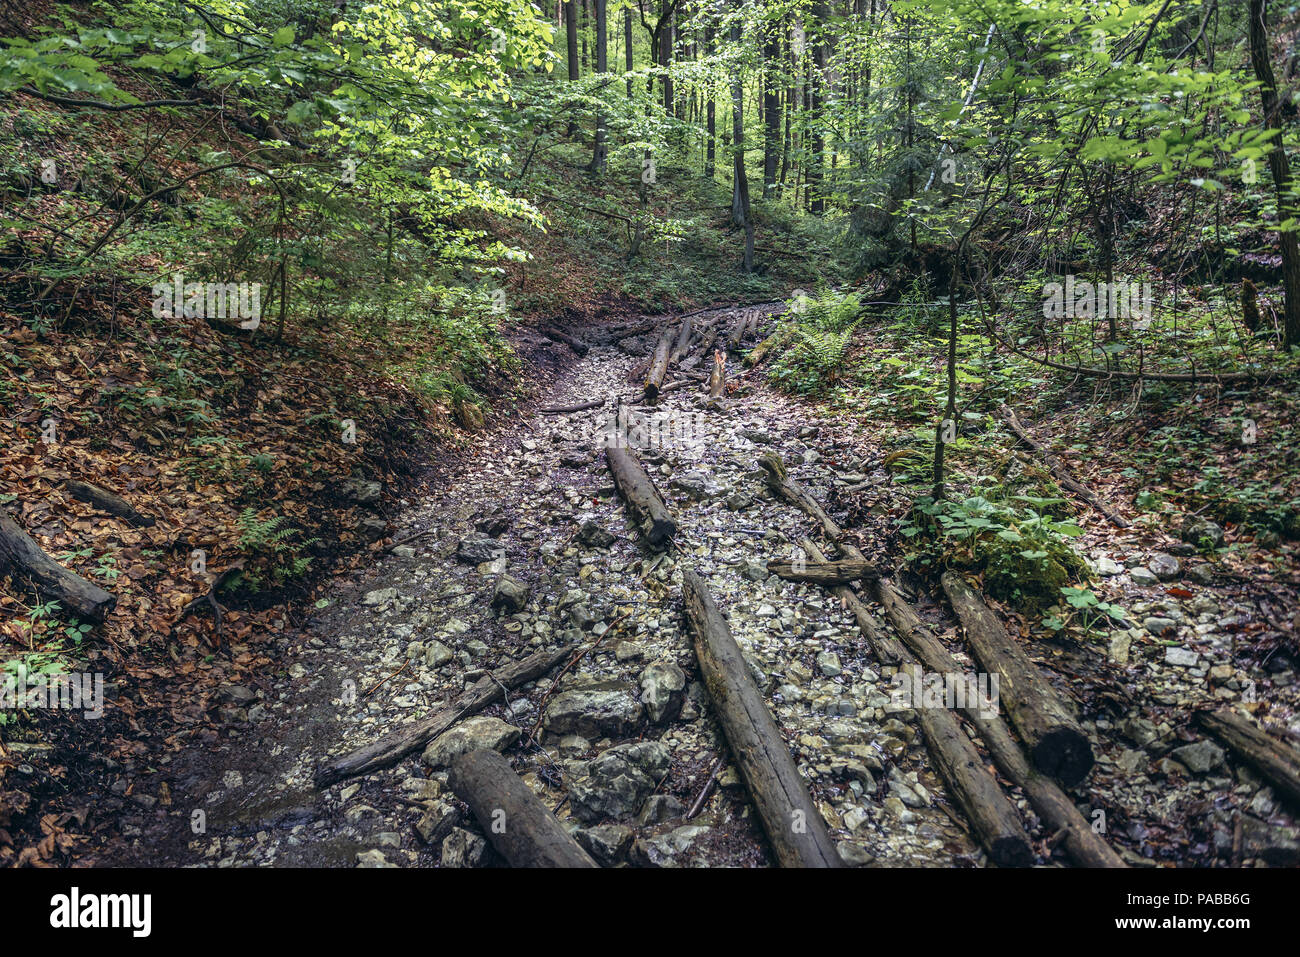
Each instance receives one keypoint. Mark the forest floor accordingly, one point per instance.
(623, 742)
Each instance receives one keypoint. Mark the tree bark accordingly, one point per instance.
(396, 745)
(1280, 168)
(519, 825)
(828, 573)
(794, 826)
(1273, 759)
(643, 500)
(22, 558)
(1057, 745)
(654, 378)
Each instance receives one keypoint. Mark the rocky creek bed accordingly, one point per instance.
(529, 548)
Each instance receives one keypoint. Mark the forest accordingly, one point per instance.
(650, 433)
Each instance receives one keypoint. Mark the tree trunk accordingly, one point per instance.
(598, 150)
(1280, 168)
(643, 500)
(771, 110)
(396, 745)
(1057, 745)
(22, 558)
(519, 825)
(794, 826)
(739, 178)
(1273, 759)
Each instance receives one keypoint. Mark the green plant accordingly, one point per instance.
(1022, 550)
(270, 549)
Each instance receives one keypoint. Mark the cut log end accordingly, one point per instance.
(1064, 754)
(1011, 851)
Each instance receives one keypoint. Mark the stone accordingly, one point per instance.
(595, 710)
(380, 596)
(478, 551)
(662, 691)
(1201, 574)
(628, 651)
(591, 534)
(1157, 625)
(665, 849)
(828, 663)
(1199, 757)
(659, 808)
(461, 848)
(372, 528)
(1107, 568)
(372, 858)
(361, 491)
(754, 570)
(853, 855)
(607, 843)
(1164, 566)
(510, 595)
(1143, 576)
(1201, 532)
(1181, 657)
(616, 782)
(436, 654)
(481, 733)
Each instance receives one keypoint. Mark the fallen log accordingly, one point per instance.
(1085, 847)
(738, 329)
(761, 351)
(1278, 762)
(654, 377)
(577, 345)
(579, 407)
(682, 343)
(520, 827)
(643, 500)
(23, 558)
(109, 502)
(838, 572)
(717, 382)
(1059, 472)
(1057, 745)
(992, 817)
(794, 826)
(396, 745)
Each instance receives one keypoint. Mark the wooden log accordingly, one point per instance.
(654, 377)
(737, 334)
(642, 498)
(683, 342)
(1059, 472)
(838, 572)
(23, 558)
(993, 819)
(1057, 745)
(396, 745)
(765, 348)
(109, 502)
(717, 382)
(555, 335)
(793, 824)
(520, 827)
(1085, 847)
(577, 407)
(1278, 762)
